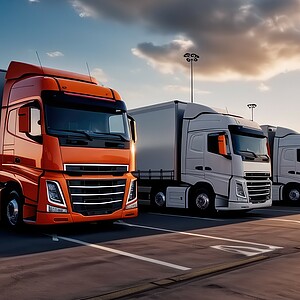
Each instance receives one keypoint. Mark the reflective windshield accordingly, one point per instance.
(250, 146)
(87, 121)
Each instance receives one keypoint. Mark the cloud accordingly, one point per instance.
(263, 87)
(99, 75)
(236, 39)
(83, 10)
(159, 57)
(55, 54)
(34, 1)
(184, 89)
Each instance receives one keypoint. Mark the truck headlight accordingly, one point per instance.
(54, 193)
(132, 191)
(240, 192)
(132, 201)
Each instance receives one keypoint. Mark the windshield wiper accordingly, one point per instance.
(248, 152)
(111, 134)
(76, 131)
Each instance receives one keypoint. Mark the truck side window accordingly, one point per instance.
(298, 155)
(212, 143)
(289, 155)
(197, 143)
(12, 121)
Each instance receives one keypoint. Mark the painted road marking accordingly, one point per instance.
(123, 253)
(251, 251)
(247, 251)
(235, 249)
(55, 238)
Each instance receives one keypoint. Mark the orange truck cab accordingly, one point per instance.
(67, 149)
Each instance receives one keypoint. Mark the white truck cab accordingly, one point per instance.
(285, 157)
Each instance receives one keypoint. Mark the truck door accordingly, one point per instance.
(217, 167)
(28, 141)
(287, 163)
(195, 156)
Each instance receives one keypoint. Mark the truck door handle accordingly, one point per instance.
(200, 168)
(17, 160)
(208, 168)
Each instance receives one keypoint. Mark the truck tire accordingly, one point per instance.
(292, 194)
(202, 201)
(158, 199)
(13, 209)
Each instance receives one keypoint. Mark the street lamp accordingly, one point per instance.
(252, 106)
(190, 57)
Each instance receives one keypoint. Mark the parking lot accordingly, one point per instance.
(157, 256)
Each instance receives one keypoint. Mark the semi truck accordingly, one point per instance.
(193, 156)
(285, 157)
(66, 149)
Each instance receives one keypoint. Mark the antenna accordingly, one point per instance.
(38, 57)
(87, 66)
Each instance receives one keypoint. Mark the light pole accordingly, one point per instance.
(252, 106)
(190, 57)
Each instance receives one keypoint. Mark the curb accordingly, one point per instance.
(176, 279)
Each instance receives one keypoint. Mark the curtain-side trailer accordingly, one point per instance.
(193, 156)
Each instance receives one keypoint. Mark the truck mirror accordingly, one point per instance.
(133, 129)
(24, 119)
(222, 145)
(268, 148)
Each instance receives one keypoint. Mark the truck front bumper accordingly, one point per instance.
(64, 218)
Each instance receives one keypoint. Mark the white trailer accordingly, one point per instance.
(194, 156)
(285, 157)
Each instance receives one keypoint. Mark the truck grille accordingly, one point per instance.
(96, 169)
(259, 187)
(96, 197)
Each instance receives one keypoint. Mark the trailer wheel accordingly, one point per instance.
(292, 193)
(202, 201)
(158, 199)
(13, 209)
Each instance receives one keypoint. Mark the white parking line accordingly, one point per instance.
(123, 253)
(269, 247)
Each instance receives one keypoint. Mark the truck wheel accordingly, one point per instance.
(13, 210)
(158, 199)
(292, 193)
(202, 201)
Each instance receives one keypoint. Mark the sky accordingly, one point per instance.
(249, 50)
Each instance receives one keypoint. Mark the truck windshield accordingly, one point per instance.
(85, 118)
(250, 145)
